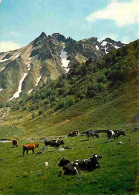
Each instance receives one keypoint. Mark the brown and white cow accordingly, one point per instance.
(74, 133)
(27, 147)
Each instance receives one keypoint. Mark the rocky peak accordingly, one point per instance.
(42, 35)
(58, 37)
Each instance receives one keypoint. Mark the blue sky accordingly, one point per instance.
(21, 21)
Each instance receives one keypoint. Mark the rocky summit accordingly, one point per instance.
(45, 59)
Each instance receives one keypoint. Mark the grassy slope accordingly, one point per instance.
(28, 175)
(118, 110)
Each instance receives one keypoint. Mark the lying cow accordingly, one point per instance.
(72, 168)
(89, 164)
(28, 147)
(74, 133)
(91, 133)
(114, 134)
(54, 143)
(69, 168)
(15, 143)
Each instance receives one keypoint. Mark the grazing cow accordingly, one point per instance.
(28, 147)
(89, 164)
(69, 168)
(74, 133)
(114, 134)
(15, 143)
(54, 143)
(92, 134)
(118, 133)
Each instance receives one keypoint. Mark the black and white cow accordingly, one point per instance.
(54, 143)
(118, 133)
(91, 133)
(73, 168)
(89, 164)
(114, 134)
(69, 168)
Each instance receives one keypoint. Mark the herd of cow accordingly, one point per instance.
(70, 167)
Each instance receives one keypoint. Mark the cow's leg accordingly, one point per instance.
(23, 152)
(108, 139)
(32, 151)
(46, 147)
(27, 151)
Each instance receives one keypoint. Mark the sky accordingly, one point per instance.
(21, 21)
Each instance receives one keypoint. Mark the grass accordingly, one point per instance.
(28, 175)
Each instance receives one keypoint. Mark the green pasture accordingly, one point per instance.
(27, 175)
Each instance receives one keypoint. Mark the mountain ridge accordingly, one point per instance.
(45, 59)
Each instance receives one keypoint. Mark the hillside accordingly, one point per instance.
(97, 94)
(45, 59)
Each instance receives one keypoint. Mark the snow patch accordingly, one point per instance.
(106, 50)
(104, 43)
(4, 60)
(39, 78)
(30, 91)
(97, 47)
(116, 47)
(16, 56)
(28, 66)
(16, 95)
(2, 69)
(64, 60)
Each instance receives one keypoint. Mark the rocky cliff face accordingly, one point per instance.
(44, 59)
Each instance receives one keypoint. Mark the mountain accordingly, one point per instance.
(96, 94)
(45, 59)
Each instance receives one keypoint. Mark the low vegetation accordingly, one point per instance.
(28, 175)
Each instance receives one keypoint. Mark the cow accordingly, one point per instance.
(15, 143)
(73, 168)
(89, 164)
(54, 143)
(91, 133)
(114, 134)
(74, 133)
(69, 168)
(27, 147)
(118, 133)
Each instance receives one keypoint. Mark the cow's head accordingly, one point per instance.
(97, 135)
(63, 162)
(122, 133)
(95, 159)
(62, 142)
(37, 145)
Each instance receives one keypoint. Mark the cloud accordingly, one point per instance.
(112, 36)
(8, 45)
(123, 13)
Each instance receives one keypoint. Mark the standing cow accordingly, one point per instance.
(54, 143)
(91, 133)
(15, 143)
(114, 134)
(28, 147)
